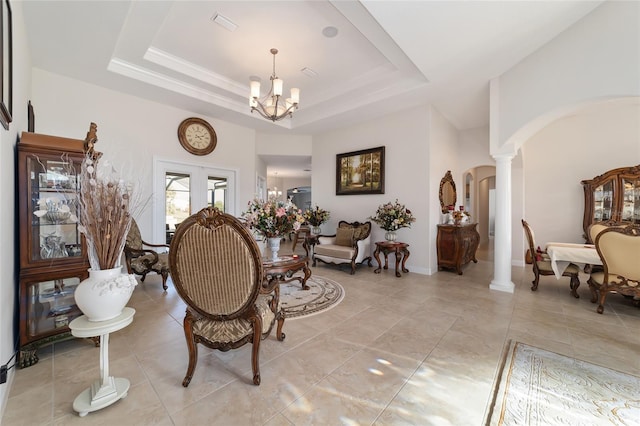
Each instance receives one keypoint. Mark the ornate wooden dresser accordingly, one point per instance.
(456, 246)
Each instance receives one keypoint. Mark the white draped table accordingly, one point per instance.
(562, 254)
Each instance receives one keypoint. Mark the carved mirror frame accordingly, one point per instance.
(447, 179)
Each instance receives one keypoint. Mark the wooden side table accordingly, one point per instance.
(400, 250)
(309, 243)
(107, 389)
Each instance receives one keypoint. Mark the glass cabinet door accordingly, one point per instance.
(631, 200)
(51, 305)
(603, 202)
(53, 210)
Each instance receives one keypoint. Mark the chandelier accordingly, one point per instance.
(272, 106)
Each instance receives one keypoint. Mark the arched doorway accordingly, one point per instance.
(479, 201)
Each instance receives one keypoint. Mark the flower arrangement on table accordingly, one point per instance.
(316, 216)
(273, 218)
(393, 216)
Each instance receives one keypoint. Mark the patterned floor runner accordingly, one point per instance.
(538, 387)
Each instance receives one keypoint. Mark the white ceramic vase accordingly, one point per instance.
(105, 293)
(390, 236)
(274, 246)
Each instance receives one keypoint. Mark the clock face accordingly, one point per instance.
(197, 136)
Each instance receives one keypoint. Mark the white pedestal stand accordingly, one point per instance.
(107, 389)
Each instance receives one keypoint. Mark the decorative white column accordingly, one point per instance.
(502, 243)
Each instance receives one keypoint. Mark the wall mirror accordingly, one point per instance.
(447, 192)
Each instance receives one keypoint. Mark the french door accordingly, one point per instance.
(183, 189)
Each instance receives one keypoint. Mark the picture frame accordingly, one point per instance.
(6, 70)
(360, 172)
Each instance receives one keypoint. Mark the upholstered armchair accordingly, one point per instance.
(542, 263)
(351, 244)
(619, 249)
(217, 270)
(141, 260)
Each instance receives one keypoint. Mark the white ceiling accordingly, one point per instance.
(386, 57)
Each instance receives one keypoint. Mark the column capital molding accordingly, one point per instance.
(503, 157)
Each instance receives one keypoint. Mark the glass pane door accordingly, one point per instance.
(631, 200)
(184, 189)
(54, 209)
(177, 201)
(217, 192)
(602, 202)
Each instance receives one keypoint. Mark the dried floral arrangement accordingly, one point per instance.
(107, 204)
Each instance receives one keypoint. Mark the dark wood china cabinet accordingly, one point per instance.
(53, 258)
(612, 196)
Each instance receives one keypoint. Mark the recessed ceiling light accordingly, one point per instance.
(330, 32)
(224, 22)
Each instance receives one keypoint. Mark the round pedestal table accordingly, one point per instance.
(107, 389)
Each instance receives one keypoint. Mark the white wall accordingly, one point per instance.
(8, 230)
(131, 131)
(474, 149)
(283, 144)
(570, 150)
(598, 57)
(405, 136)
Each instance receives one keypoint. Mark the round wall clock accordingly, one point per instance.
(197, 136)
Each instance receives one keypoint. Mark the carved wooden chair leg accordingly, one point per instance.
(535, 282)
(603, 296)
(575, 283)
(279, 334)
(165, 275)
(255, 354)
(594, 290)
(193, 350)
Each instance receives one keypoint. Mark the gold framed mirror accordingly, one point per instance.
(447, 194)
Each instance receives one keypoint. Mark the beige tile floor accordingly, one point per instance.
(416, 350)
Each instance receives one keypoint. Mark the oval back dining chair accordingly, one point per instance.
(217, 270)
(619, 249)
(542, 263)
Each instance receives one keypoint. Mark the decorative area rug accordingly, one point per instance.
(538, 387)
(323, 294)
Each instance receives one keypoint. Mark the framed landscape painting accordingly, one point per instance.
(360, 172)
